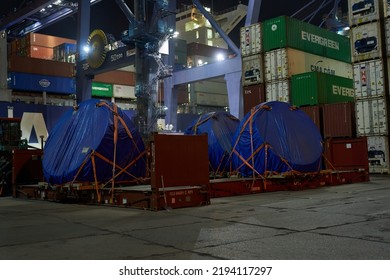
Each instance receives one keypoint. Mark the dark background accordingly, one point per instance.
(107, 16)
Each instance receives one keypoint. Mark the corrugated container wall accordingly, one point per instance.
(369, 79)
(102, 90)
(121, 91)
(283, 31)
(315, 114)
(116, 77)
(278, 91)
(250, 39)
(211, 99)
(252, 68)
(362, 11)
(371, 117)
(40, 83)
(339, 120)
(253, 95)
(346, 153)
(319, 88)
(283, 63)
(386, 8)
(40, 66)
(366, 42)
(378, 154)
(387, 35)
(63, 51)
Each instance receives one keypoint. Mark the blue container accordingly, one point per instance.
(32, 82)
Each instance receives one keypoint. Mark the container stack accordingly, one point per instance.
(33, 71)
(252, 65)
(294, 47)
(369, 22)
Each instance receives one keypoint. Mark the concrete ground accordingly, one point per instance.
(343, 222)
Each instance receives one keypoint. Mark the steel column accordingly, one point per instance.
(83, 82)
(253, 12)
(234, 88)
(5, 94)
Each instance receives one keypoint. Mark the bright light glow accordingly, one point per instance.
(57, 2)
(346, 28)
(175, 34)
(42, 10)
(220, 57)
(86, 49)
(50, 6)
(200, 62)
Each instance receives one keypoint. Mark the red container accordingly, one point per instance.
(36, 52)
(339, 120)
(253, 95)
(117, 77)
(38, 66)
(42, 40)
(314, 112)
(346, 154)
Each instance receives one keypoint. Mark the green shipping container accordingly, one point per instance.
(102, 90)
(284, 32)
(313, 88)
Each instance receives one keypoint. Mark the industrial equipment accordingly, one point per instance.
(11, 159)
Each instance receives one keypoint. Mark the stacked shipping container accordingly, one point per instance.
(310, 67)
(369, 24)
(252, 66)
(32, 69)
(293, 47)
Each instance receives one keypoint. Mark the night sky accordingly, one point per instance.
(107, 16)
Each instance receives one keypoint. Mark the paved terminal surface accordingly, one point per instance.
(342, 222)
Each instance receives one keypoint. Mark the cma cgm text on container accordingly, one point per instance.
(283, 31)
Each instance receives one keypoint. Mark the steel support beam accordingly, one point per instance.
(215, 25)
(253, 12)
(83, 82)
(24, 13)
(5, 93)
(231, 69)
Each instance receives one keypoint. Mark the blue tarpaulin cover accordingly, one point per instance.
(220, 128)
(293, 141)
(91, 128)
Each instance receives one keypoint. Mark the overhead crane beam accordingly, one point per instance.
(24, 13)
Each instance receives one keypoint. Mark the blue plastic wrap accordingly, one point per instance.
(220, 128)
(80, 132)
(282, 138)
